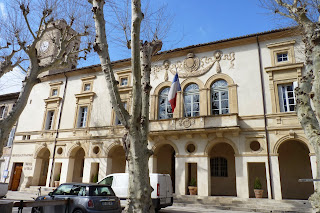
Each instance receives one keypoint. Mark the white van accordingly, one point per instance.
(161, 183)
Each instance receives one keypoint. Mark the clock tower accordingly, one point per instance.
(48, 46)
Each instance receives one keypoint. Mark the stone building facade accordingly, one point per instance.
(234, 121)
(6, 103)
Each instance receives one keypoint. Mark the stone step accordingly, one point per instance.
(35, 189)
(245, 204)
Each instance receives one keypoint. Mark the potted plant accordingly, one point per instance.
(258, 191)
(57, 181)
(193, 186)
(95, 178)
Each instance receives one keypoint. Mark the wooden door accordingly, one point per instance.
(16, 176)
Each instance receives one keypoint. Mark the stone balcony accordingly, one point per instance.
(201, 124)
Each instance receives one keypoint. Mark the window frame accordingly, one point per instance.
(167, 104)
(49, 125)
(79, 116)
(219, 90)
(192, 94)
(285, 103)
(281, 57)
(117, 122)
(3, 111)
(221, 166)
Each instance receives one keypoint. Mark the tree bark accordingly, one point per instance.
(136, 124)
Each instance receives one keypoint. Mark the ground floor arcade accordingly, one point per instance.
(219, 166)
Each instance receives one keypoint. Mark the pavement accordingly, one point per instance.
(190, 204)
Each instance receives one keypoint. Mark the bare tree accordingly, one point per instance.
(137, 123)
(306, 14)
(23, 29)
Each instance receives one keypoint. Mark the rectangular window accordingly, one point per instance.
(54, 92)
(82, 116)
(219, 167)
(281, 57)
(118, 122)
(286, 97)
(123, 81)
(49, 120)
(3, 111)
(87, 87)
(11, 136)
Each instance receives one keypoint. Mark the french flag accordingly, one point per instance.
(175, 87)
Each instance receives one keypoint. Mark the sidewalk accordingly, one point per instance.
(18, 195)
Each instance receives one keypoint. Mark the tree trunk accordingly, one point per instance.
(137, 124)
(139, 181)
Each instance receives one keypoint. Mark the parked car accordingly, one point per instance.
(161, 183)
(3, 189)
(86, 198)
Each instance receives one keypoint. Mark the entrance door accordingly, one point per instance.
(16, 176)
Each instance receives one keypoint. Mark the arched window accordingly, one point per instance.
(219, 98)
(191, 100)
(219, 167)
(165, 110)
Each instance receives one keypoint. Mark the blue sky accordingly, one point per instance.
(201, 21)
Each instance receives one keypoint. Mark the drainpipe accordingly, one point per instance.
(57, 131)
(265, 117)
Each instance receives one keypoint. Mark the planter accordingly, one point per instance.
(258, 193)
(3, 189)
(192, 190)
(56, 183)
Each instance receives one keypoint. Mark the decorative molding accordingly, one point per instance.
(88, 78)
(186, 122)
(55, 83)
(55, 100)
(279, 44)
(193, 66)
(88, 95)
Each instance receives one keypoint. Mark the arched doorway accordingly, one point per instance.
(294, 164)
(41, 168)
(78, 154)
(165, 156)
(118, 157)
(222, 170)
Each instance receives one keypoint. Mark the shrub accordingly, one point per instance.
(257, 183)
(193, 182)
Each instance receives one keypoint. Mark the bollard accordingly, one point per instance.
(6, 206)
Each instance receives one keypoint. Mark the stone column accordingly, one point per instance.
(49, 173)
(109, 166)
(152, 164)
(67, 171)
(102, 168)
(86, 170)
(180, 182)
(313, 162)
(203, 104)
(241, 177)
(36, 172)
(203, 172)
(276, 177)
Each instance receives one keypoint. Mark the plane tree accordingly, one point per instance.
(305, 14)
(23, 27)
(142, 36)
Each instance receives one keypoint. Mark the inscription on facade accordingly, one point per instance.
(27, 166)
(22, 155)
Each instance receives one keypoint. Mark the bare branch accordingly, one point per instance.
(25, 11)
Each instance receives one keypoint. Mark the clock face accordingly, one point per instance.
(44, 46)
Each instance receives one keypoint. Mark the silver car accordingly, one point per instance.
(85, 198)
